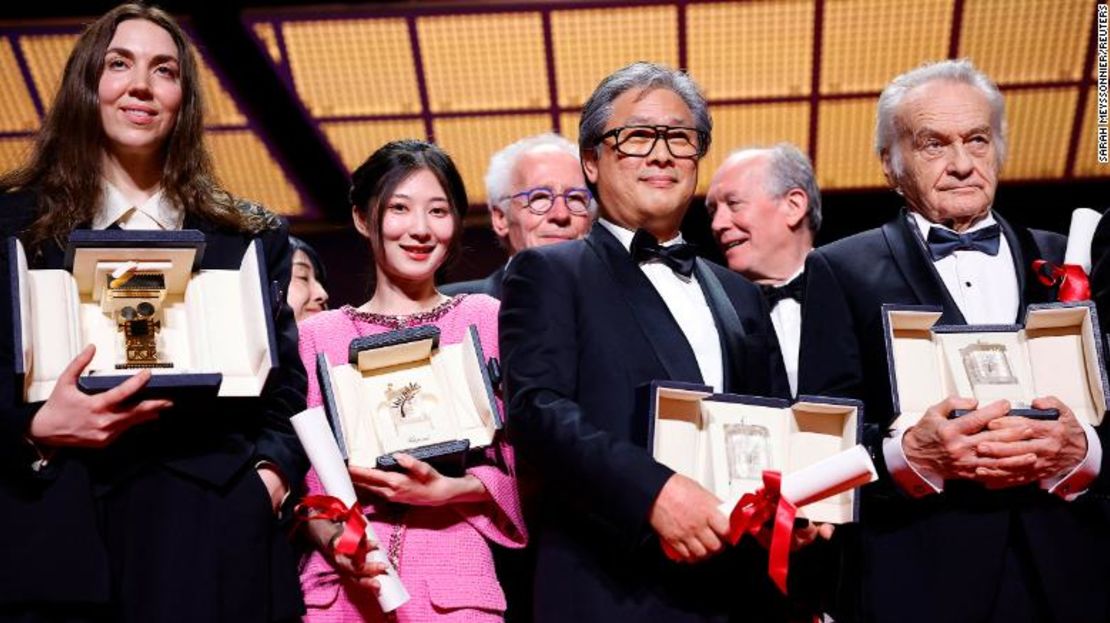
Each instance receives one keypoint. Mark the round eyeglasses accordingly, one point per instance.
(541, 199)
(639, 140)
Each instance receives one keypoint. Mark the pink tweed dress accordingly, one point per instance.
(445, 558)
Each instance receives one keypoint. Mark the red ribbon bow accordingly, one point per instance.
(753, 510)
(1071, 279)
(350, 542)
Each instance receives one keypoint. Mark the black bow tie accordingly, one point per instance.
(678, 257)
(793, 289)
(945, 242)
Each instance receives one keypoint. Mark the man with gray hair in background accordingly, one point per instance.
(980, 517)
(587, 324)
(765, 211)
(536, 196)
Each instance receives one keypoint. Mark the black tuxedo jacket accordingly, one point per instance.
(938, 558)
(1100, 272)
(61, 527)
(490, 286)
(582, 329)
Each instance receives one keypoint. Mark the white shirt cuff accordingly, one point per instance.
(915, 483)
(1074, 483)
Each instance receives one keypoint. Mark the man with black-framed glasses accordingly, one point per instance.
(537, 196)
(584, 326)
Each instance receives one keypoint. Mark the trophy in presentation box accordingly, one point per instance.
(143, 299)
(402, 391)
(1056, 352)
(726, 442)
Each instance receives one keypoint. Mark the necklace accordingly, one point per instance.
(404, 320)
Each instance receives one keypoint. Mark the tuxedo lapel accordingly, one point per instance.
(729, 326)
(1024, 250)
(646, 307)
(913, 261)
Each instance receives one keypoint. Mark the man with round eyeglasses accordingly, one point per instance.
(537, 196)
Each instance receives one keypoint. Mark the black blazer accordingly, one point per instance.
(938, 558)
(490, 286)
(581, 330)
(55, 541)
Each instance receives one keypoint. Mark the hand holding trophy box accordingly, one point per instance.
(765, 457)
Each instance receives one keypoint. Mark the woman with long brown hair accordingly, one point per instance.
(115, 508)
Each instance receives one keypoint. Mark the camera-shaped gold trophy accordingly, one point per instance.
(134, 299)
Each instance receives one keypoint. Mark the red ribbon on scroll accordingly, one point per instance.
(753, 510)
(1070, 278)
(350, 542)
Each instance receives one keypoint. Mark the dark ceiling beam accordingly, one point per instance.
(273, 109)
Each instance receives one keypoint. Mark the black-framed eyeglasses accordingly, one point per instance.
(541, 199)
(639, 140)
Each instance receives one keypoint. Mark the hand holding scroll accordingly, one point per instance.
(687, 519)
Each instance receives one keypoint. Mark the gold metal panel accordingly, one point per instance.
(590, 44)
(13, 153)
(1040, 125)
(352, 67)
(354, 141)
(845, 136)
(1086, 159)
(219, 107)
(46, 58)
(484, 62)
(752, 125)
(472, 140)
(266, 33)
(865, 43)
(751, 49)
(1027, 41)
(245, 168)
(17, 110)
(568, 124)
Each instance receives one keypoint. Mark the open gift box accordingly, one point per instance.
(1057, 352)
(142, 299)
(726, 441)
(402, 391)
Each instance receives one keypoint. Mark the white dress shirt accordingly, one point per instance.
(786, 316)
(986, 291)
(155, 213)
(686, 302)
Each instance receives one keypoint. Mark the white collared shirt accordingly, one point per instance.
(786, 316)
(986, 290)
(155, 213)
(686, 302)
(984, 287)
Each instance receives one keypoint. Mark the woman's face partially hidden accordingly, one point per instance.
(307, 296)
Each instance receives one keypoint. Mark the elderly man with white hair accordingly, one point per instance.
(537, 196)
(765, 211)
(979, 518)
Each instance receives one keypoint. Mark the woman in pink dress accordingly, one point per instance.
(407, 201)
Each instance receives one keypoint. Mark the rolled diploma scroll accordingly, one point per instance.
(1082, 231)
(323, 452)
(836, 474)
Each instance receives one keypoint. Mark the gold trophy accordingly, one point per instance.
(135, 298)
